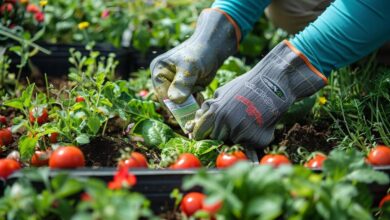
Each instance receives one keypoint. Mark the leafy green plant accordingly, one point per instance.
(36, 196)
(360, 111)
(293, 192)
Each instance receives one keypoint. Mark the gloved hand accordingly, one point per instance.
(246, 109)
(191, 66)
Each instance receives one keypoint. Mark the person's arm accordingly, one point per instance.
(347, 31)
(244, 12)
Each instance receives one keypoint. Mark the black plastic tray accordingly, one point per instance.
(157, 185)
(57, 63)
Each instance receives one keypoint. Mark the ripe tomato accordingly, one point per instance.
(195, 201)
(191, 203)
(3, 120)
(40, 158)
(53, 137)
(143, 93)
(379, 156)
(6, 136)
(275, 160)
(67, 157)
(135, 160)
(38, 114)
(316, 161)
(228, 159)
(80, 99)
(7, 167)
(384, 200)
(186, 161)
(212, 209)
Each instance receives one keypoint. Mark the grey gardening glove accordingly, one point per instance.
(246, 109)
(191, 66)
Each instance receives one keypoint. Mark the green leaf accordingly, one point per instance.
(82, 139)
(14, 103)
(27, 146)
(155, 133)
(94, 124)
(27, 95)
(368, 176)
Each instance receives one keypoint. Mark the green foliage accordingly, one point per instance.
(293, 192)
(231, 68)
(359, 105)
(205, 150)
(59, 198)
(154, 133)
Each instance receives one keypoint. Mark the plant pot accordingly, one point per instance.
(57, 63)
(157, 185)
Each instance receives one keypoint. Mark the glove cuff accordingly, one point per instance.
(216, 30)
(289, 74)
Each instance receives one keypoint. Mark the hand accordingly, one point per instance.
(191, 66)
(246, 109)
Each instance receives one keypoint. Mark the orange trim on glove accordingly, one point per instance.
(307, 62)
(231, 21)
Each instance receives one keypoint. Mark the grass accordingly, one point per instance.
(359, 106)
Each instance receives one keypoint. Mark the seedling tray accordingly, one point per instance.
(157, 185)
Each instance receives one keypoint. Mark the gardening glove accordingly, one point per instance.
(191, 66)
(246, 109)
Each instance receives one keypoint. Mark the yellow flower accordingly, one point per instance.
(23, 1)
(83, 25)
(43, 3)
(322, 100)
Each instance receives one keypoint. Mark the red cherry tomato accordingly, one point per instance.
(67, 157)
(186, 161)
(40, 158)
(3, 120)
(7, 167)
(379, 156)
(212, 209)
(228, 159)
(384, 200)
(38, 114)
(6, 136)
(274, 160)
(80, 99)
(191, 203)
(316, 161)
(53, 137)
(143, 93)
(136, 160)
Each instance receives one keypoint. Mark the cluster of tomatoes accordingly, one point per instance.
(15, 11)
(63, 157)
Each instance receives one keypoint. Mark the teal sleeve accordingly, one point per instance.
(347, 31)
(244, 12)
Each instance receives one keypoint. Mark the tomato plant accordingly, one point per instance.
(7, 167)
(227, 159)
(186, 161)
(379, 156)
(134, 160)
(67, 157)
(274, 160)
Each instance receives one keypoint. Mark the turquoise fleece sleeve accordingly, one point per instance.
(347, 31)
(244, 12)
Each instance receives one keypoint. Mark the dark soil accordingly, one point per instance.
(103, 151)
(311, 137)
